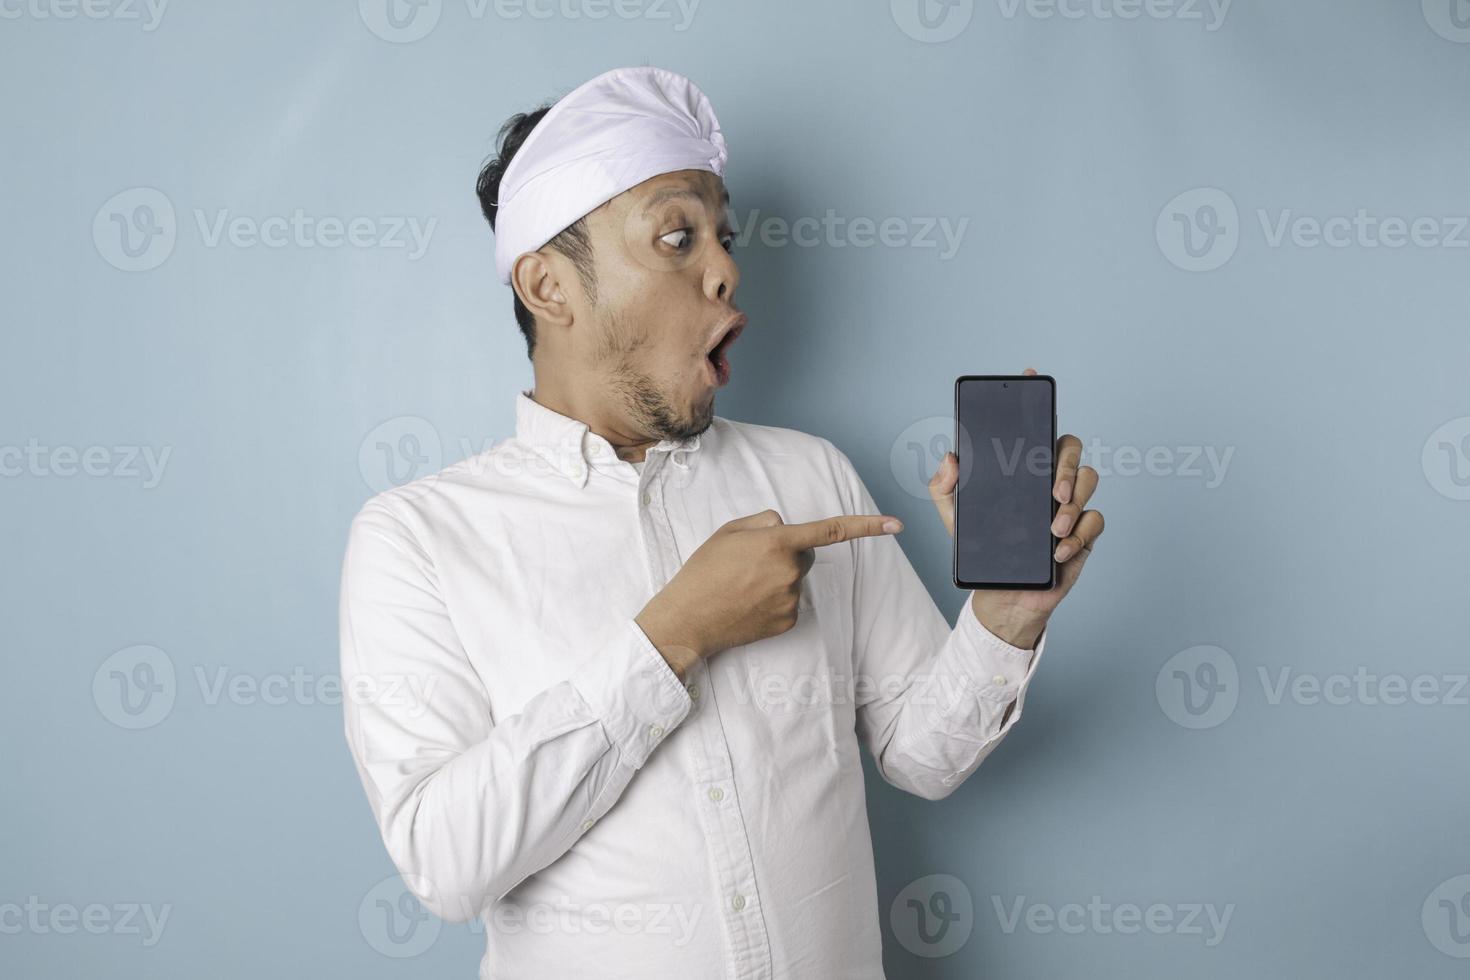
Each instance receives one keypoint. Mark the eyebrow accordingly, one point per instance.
(666, 193)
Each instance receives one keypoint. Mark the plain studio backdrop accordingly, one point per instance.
(247, 285)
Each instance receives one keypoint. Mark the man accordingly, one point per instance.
(651, 638)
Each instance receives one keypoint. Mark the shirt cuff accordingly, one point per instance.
(997, 671)
(635, 693)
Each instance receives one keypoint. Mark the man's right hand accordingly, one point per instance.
(743, 583)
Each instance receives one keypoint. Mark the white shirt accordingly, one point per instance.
(532, 760)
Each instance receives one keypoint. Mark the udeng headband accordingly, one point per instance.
(606, 136)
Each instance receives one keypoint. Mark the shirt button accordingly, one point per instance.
(657, 731)
(586, 826)
(694, 692)
(717, 794)
(998, 680)
(738, 902)
(646, 499)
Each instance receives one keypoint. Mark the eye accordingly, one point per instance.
(727, 241)
(680, 238)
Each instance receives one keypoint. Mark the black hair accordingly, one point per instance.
(572, 241)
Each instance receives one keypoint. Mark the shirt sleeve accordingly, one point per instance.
(467, 808)
(935, 700)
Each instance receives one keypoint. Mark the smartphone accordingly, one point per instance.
(1005, 439)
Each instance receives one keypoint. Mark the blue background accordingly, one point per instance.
(1334, 542)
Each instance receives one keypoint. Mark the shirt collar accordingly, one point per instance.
(571, 447)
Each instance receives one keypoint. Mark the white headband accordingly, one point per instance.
(606, 136)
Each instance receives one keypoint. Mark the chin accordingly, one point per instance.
(695, 419)
(700, 416)
(665, 410)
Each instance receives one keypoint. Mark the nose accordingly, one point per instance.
(721, 275)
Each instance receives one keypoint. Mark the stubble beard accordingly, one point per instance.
(647, 405)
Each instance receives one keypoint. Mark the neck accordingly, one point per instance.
(588, 403)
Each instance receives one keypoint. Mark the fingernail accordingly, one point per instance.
(1065, 551)
(1060, 526)
(892, 527)
(1064, 491)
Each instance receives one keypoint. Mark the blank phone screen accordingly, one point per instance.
(1003, 503)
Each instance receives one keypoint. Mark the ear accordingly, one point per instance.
(536, 280)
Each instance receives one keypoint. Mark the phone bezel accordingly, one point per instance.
(955, 549)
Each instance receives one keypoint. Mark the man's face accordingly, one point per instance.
(664, 299)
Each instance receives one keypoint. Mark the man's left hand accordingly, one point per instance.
(1018, 616)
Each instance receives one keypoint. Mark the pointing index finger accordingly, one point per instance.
(832, 530)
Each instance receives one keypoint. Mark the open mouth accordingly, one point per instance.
(718, 356)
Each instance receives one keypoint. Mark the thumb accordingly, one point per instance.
(941, 489)
(766, 518)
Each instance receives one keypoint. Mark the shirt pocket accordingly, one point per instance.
(800, 712)
(819, 588)
(807, 668)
